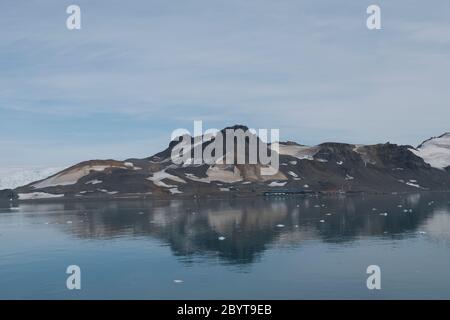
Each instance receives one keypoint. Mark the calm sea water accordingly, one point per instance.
(287, 248)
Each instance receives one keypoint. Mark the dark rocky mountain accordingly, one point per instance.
(328, 167)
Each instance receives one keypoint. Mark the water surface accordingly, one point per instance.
(264, 248)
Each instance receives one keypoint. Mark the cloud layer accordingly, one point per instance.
(136, 71)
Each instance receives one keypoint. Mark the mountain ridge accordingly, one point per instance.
(326, 167)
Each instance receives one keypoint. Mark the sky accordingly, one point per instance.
(137, 70)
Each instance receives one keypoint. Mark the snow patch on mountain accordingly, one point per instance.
(435, 151)
(38, 195)
(295, 150)
(277, 184)
(72, 175)
(220, 173)
(161, 175)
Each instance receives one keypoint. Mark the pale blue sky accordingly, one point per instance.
(139, 69)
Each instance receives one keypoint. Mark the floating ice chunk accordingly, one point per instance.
(384, 214)
(178, 281)
(328, 214)
(322, 221)
(280, 225)
(221, 238)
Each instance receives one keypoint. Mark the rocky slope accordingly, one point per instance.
(328, 167)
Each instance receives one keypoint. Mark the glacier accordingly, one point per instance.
(13, 177)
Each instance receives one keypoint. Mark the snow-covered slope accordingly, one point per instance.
(435, 151)
(14, 177)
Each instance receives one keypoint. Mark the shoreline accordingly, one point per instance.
(209, 197)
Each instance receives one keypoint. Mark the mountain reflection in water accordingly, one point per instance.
(248, 227)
